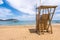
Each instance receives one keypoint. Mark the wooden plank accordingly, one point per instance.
(44, 7)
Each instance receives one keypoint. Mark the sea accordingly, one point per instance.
(23, 22)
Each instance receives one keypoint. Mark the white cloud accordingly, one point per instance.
(56, 17)
(57, 11)
(1, 2)
(27, 6)
(7, 14)
(4, 13)
(51, 2)
(25, 17)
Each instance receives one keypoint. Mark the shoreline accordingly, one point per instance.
(18, 26)
(29, 24)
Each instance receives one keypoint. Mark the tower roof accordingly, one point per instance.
(44, 7)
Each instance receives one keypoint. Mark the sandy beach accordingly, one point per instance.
(27, 33)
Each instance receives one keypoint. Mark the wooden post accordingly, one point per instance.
(37, 20)
(51, 20)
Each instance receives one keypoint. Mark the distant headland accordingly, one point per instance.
(15, 20)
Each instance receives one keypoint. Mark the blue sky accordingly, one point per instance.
(25, 9)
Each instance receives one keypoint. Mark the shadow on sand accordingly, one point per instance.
(33, 31)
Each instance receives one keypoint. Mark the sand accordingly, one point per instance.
(27, 33)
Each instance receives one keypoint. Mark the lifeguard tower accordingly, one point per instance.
(44, 18)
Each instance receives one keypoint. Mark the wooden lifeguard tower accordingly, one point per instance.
(44, 18)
